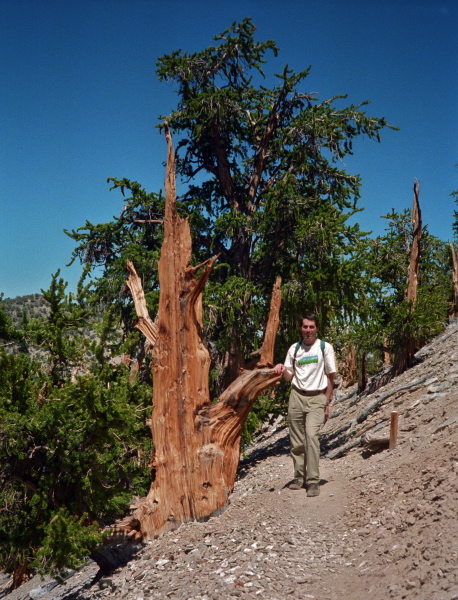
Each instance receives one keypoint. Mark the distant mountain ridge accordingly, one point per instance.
(33, 305)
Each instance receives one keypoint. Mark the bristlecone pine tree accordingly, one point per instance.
(196, 443)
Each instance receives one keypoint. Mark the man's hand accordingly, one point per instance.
(327, 412)
(279, 369)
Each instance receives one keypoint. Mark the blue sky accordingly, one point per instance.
(79, 101)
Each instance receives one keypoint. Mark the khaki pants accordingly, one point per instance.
(305, 416)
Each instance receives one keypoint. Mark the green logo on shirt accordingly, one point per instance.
(307, 360)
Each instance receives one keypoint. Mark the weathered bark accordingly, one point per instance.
(374, 442)
(137, 363)
(144, 323)
(414, 260)
(386, 354)
(454, 308)
(362, 378)
(341, 450)
(21, 574)
(267, 350)
(196, 443)
(407, 346)
(349, 368)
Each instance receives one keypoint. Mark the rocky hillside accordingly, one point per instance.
(384, 525)
(32, 306)
(35, 307)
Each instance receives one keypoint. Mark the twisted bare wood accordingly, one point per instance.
(196, 443)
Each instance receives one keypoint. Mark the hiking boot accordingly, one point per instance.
(313, 489)
(295, 484)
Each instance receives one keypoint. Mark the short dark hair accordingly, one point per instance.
(310, 317)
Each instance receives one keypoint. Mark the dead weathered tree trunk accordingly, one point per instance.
(386, 354)
(414, 259)
(196, 443)
(408, 348)
(348, 368)
(136, 364)
(362, 378)
(351, 367)
(375, 442)
(21, 574)
(144, 322)
(454, 308)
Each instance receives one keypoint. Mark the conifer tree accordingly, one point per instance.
(391, 317)
(73, 439)
(261, 160)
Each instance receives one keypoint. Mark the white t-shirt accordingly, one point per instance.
(311, 367)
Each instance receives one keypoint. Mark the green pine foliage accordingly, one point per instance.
(392, 323)
(74, 444)
(67, 539)
(5, 324)
(105, 248)
(266, 190)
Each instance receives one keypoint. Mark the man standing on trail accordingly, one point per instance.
(310, 366)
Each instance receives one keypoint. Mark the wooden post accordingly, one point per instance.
(393, 430)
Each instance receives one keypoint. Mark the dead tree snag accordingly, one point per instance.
(144, 322)
(196, 443)
(408, 344)
(454, 307)
(414, 260)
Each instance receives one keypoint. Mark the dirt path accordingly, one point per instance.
(365, 537)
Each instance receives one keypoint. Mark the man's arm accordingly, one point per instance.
(286, 373)
(286, 370)
(330, 386)
(329, 391)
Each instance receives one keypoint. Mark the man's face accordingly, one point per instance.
(309, 331)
